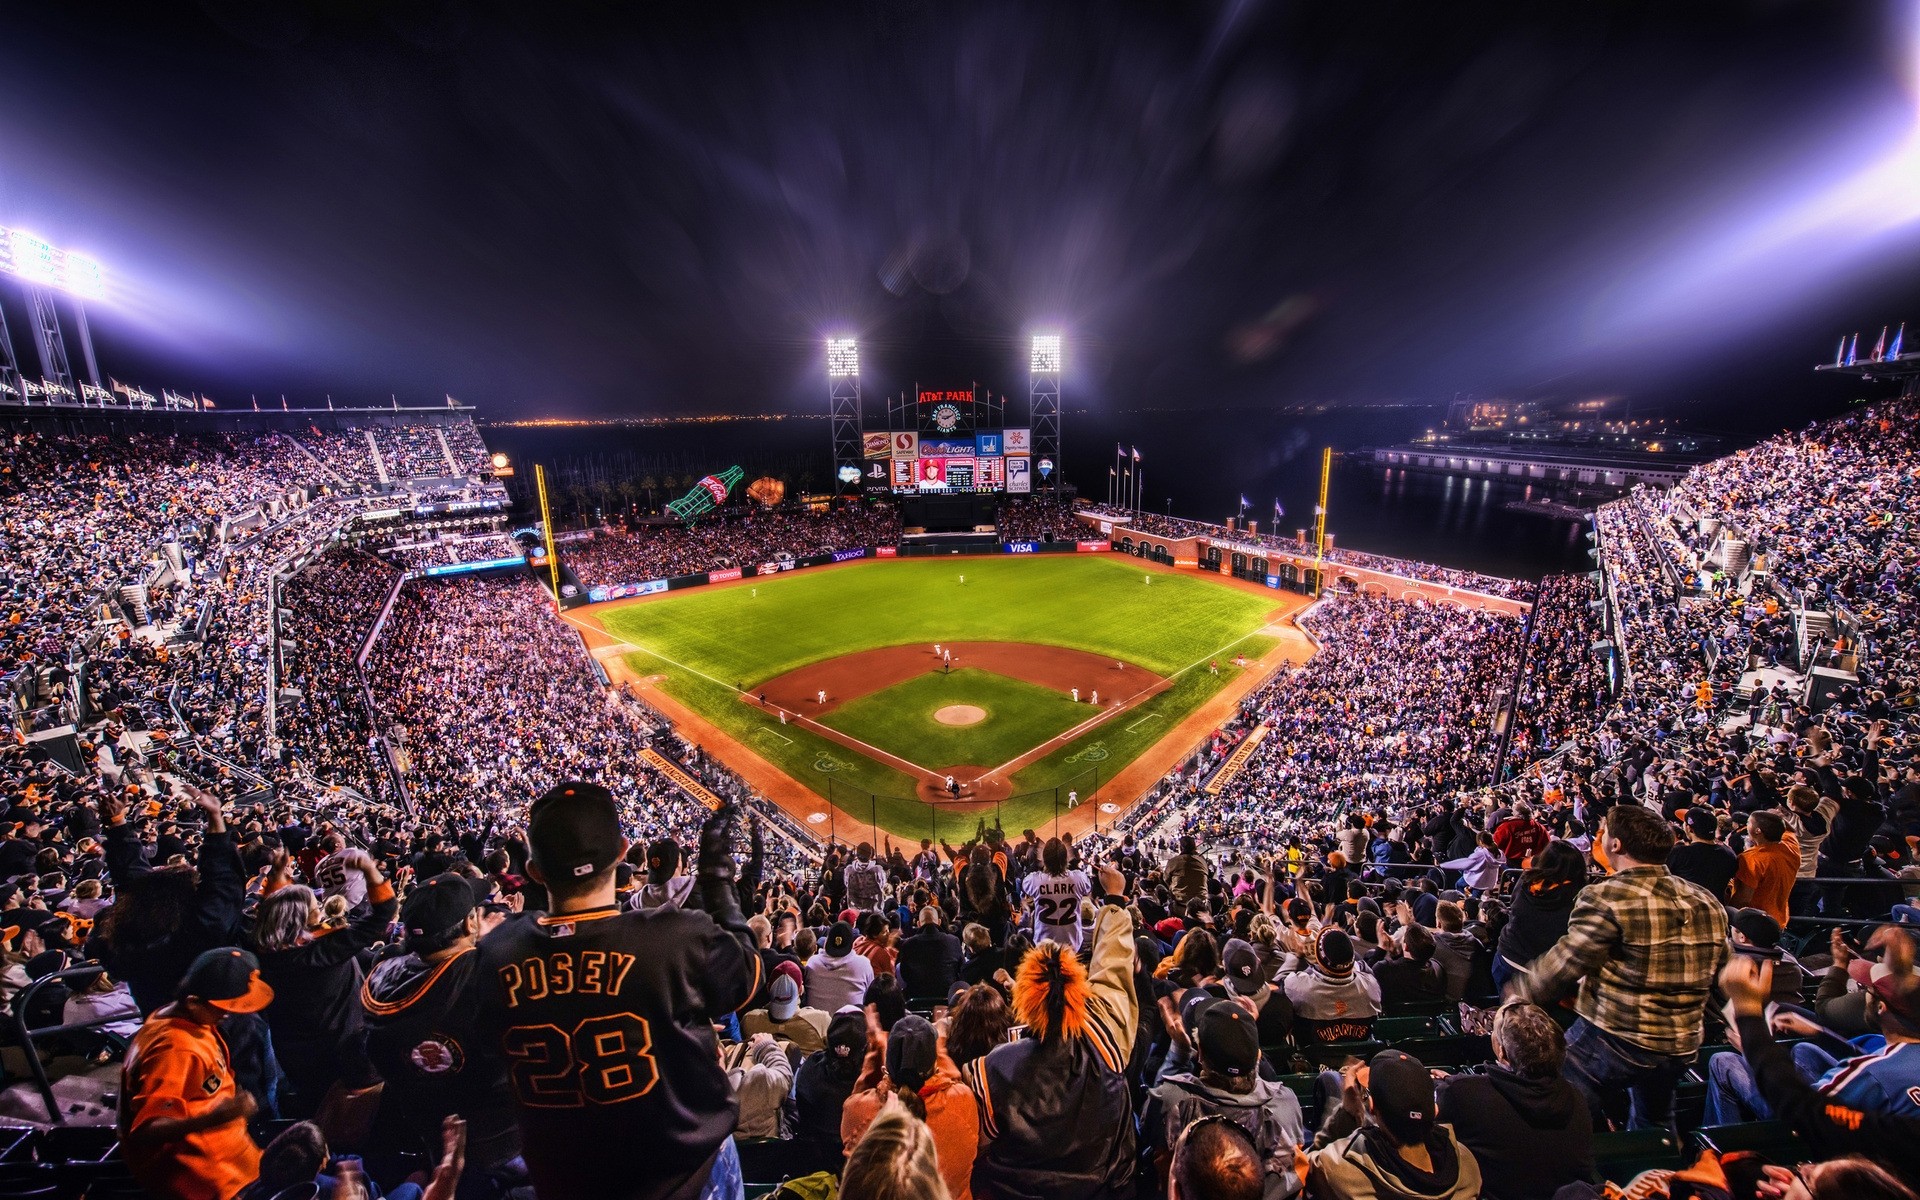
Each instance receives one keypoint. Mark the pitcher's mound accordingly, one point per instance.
(960, 714)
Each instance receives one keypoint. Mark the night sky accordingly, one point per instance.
(564, 209)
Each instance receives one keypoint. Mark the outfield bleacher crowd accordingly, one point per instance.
(727, 540)
(1468, 921)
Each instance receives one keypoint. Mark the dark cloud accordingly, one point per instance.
(603, 208)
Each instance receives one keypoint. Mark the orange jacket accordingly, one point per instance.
(952, 1113)
(180, 1069)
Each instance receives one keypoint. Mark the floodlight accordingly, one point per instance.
(843, 358)
(499, 460)
(1046, 354)
(39, 262)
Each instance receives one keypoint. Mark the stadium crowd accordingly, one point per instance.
(727, 540)
(1395, 957)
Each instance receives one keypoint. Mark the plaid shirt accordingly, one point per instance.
(1645, 947)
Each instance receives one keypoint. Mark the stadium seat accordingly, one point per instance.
(1409, 1025)
(1422, 1008)
(1333, 1054)
(1449, 1050)
(1618, 1157)
(1773, 1140)
(765, 1163)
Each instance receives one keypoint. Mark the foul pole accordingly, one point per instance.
(546, 529)
(1320, 525)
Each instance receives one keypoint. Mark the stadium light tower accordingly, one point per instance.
(1043, 374)
(843, 410)
(45, 269)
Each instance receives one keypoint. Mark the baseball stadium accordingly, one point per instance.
(1005, 601)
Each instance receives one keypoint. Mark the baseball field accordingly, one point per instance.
(1051, 675)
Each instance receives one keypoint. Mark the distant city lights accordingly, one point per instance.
(41, 263)
(1046, 354)
(843, 358)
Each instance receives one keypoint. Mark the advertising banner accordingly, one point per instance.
(490, 564)
(1273, 581)
(986, 445)
(887, 552)
(940, 447)
(1021, 547)
(878, 480)
(1090, 547)
(1017, 441)
(906, 446)
(621, 591)
(848, 555)
(723, 576)
(876, 445)
(1019, 475)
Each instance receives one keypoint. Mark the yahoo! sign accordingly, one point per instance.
(840, 556)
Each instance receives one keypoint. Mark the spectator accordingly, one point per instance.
(836, 976)
(897, 1159)
(1528, 1129)
(820, 1091)
(316, 1018)
(1768, 867)
(1215, 1160)
(1702, 860)
(1398, 1149)
(183, 1117)
(759, 1076)
(930, 958)
(1644, 948)
(804, 1028)
(1334, 997)
(1227, 1083)
(909, 1066)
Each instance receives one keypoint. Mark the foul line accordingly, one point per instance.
(770, 733)
(1142, 721)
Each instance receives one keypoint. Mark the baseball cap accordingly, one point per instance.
(783, 997)
(663, 856)
(1900, 994)
(1703, 822)
(1759, 929)
(1333, 952)
(437, 906)
(574, 831)
(912, 1047)
(1169, 927)
(791, 970)
(847, 1035)
(1229, 1040)
(1402, 1092)
(1243, 967)
(1299, 910)
(227, 978)
(1195, 1002)
(839, 940)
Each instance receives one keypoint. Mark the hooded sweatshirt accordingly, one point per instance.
(1269, 1113)
(1364, 1166)
(1530, 1136)
(422, 1037)
(833, 983)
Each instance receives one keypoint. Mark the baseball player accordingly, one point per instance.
(605, 1017)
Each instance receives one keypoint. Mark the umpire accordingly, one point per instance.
(605, 1016)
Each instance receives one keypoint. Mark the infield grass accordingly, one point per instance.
(900, 719)
(705, 641)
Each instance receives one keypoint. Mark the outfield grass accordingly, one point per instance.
(900, 719)
(1086, 602)
(706, 640)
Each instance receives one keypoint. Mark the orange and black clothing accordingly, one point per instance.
(604, 1020)
(316, 1019)
(179, 1069)
(423, 1037)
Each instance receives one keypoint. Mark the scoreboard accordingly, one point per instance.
(947, 452)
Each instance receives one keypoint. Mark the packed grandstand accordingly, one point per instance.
(1614, 889)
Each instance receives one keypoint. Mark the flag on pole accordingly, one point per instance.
(1136, 454)
(256, 404)
(1278, 512)
(1243, 502)
(1880, 347)
(1900, 333)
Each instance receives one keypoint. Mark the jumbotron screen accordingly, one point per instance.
(949, 454)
